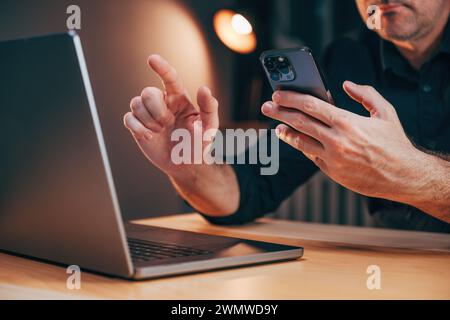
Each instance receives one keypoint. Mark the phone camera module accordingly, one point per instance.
(279, 68)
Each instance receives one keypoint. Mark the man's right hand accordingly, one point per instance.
(153, 118)
(156, 114)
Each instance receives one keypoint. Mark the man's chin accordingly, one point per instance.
(396, 30)
(398, 25)
(395, 35)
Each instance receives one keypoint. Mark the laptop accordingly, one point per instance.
(57, 196)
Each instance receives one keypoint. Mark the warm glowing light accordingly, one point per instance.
(241, 25)
(235, 31)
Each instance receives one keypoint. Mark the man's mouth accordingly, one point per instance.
(390, 8)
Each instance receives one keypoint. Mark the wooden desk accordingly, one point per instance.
(414, 266)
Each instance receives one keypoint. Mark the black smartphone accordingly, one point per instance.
(295, 70)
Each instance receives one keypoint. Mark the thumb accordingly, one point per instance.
(209, 108)
(369, 98)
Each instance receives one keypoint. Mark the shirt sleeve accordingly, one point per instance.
(262, 194)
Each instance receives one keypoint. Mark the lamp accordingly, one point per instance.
(235, 31)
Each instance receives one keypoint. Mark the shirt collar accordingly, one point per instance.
(391, 59)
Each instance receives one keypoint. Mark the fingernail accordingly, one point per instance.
(267, 107)
(276, 96)
(350, 83)
(148, 135)
(278, 132)
(208, 90)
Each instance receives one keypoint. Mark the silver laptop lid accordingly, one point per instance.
(57, 196)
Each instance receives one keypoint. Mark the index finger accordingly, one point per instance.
(315, 107)
(169, 76)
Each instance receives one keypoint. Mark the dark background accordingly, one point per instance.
(118, 36)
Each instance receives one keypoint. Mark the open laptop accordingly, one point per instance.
(57, 197)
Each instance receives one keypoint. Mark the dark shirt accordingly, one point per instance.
(421, 99)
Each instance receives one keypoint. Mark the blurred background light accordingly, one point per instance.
(241, 25)
(235, 31)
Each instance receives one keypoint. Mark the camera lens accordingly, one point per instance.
(285, 70)
(275, 76)
(269, 64)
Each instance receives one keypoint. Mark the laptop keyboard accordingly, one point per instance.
(143, 251)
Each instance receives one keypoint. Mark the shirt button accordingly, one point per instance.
(426, 88)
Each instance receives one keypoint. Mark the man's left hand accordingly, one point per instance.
(365, 154)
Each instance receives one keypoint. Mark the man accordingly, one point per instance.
(389, 139)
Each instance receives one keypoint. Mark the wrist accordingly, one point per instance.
(416, 178)
(188, 174)
(183, 173)
(433, 193)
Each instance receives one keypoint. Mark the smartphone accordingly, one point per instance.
(295, 70)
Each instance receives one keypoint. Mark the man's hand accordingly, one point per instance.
(369, 155)
(156, 114)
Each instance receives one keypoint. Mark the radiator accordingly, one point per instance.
(324, 201)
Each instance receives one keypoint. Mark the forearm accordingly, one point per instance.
(211, 189)
(428, 185)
